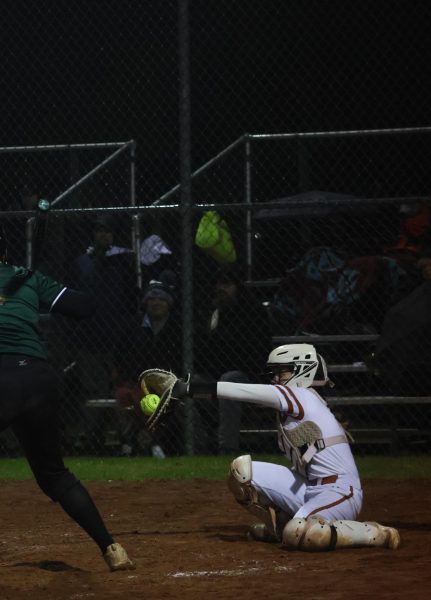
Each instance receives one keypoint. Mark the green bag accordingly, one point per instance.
(213, 236)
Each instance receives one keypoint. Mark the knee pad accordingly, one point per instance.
(239, 480)
(239, 483)
(312, 534)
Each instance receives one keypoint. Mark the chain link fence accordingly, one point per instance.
(319, 234)
(269, 267)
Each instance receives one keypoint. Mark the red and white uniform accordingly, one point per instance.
(304, 491)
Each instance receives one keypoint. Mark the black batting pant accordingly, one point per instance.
(29, 391)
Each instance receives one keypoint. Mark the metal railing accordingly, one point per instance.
(345, 350)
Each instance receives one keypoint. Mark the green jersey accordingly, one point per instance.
(22, 293)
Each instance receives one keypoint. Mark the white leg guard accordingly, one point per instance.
(315, 533)
(239, 480)
(239, 483)
(352, 534)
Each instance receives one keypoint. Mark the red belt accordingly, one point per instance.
(323, 480)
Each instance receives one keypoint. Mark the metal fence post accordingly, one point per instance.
(136, 222)
(249, 200)
(186, 202)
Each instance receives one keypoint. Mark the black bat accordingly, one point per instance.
(39, 230)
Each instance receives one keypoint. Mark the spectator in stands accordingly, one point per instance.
(231, 344)
(326, 292)
(413, 241)
(149, 340)
(108, 272)
(424, 264)
(403, 353)
(158, 260)
(414, 232)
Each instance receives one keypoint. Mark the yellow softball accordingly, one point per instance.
(149, 403)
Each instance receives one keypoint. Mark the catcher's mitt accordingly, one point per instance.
(160, 382)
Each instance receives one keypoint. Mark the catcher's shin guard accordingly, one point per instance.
(351, 534)
(239, 483)
(316, 534)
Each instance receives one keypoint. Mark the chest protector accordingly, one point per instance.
(301, 443)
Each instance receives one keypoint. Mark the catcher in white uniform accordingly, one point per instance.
(314, 505)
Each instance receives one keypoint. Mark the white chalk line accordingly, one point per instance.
(231, 572)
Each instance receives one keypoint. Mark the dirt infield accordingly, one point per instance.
(189, 541)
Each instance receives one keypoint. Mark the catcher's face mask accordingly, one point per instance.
(280, 374)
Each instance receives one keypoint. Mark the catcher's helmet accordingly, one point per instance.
(308, 367)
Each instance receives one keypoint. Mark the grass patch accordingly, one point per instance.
(394, 467)
(207, 467)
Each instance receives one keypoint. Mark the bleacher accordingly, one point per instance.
(375, 420)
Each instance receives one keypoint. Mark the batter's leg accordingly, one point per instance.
(38, 432)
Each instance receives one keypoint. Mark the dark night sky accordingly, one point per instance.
(79, 71)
